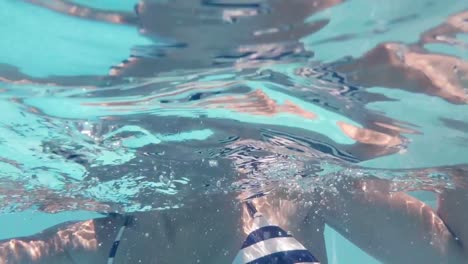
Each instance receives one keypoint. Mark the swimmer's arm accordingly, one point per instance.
(393, 227)
(62, 244)
(453, 204)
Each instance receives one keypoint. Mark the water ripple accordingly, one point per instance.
(146, 105)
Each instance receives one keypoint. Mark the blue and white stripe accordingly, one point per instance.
(270, 244)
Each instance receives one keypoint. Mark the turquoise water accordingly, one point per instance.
(102, 115)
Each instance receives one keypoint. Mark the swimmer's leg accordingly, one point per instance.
(392, 227)
(79, 242)
(295, 216)
(453, 205)
(205, 229)
(312, 233)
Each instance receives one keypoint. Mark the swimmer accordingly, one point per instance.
(391, 226)
(395, 227)
(210, 231)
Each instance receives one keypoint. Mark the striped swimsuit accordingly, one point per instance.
(270, 244)
(266, 244)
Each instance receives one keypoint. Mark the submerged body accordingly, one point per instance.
(391, 226)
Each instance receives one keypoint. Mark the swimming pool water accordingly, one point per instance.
(111, 107)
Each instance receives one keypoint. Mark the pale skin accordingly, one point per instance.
(391, 226)
(396, 227)
(211, 232)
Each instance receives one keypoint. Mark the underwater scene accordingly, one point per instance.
(233, 131)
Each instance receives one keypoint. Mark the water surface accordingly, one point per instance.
(137, 106)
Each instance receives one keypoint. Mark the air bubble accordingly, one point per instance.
(213, 163)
